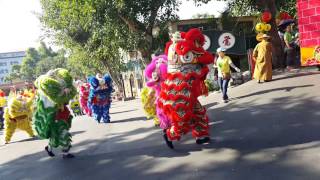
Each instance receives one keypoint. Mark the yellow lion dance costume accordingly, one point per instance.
(18, 115)
(148, 99)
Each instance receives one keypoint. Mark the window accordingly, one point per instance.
(3, 64)
(14, 62)
(4, 71)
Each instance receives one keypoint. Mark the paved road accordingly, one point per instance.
(268, 131)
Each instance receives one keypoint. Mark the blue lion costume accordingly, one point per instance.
(99, 100)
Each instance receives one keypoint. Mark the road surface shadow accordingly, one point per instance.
(142, 118)
(251, 126)
(26, 140)
(279, 130)
(38, 138)
(123, 111)
(287, 89)
(207, 106)
(77, 132)
(298, 74)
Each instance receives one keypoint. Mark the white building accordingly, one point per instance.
(7, 60)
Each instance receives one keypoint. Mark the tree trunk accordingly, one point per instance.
(278, 52)
(115, 76)
(146, 56)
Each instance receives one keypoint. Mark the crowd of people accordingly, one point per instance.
(291, 44)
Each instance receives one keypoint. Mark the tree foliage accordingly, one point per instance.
(14, 74)
(100, 29)
(253, 7)
(37, 62)
(202, 16)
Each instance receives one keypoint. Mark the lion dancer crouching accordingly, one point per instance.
(18, 115)
(187, 70)
(148, 99)
(52, 118)
(100, 97)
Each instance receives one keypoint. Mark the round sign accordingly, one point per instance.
(227, 40)
(207, 42)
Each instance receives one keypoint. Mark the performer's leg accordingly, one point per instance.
(52, 143)
(156, 121)
(105, 113)
(174, 133)
(225, 84)
(27, 127)
(65, 152)
(96, 113)
(10, 128)
(49, 150)
(1, 122)
(179, 126)
(200, 126)
(65, 142)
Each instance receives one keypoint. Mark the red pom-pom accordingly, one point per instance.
(266, 16)
(284, 15)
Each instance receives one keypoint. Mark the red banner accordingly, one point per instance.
(309, 30)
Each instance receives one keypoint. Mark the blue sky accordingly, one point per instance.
(20, 28)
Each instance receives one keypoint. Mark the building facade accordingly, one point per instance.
(236, 34)
(7, 60)
(133, 79)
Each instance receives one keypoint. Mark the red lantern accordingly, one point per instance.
(284, 15)
(266, 16)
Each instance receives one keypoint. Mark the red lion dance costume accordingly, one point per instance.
(187, 70)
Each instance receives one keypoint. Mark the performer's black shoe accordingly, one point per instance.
(168, 142)
(67, 156)
(50, 153)
(203, 140)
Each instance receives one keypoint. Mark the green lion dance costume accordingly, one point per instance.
(18, 115)
(52, 118)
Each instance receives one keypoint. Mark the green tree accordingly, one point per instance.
(202, 16)
(45, 51)
(29, 64)
(99, 30)
(38, 62)
(14, 74)
(127, 24)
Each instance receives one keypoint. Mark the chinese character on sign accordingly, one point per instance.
(227, 40)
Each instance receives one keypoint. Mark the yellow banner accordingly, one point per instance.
(310, 56)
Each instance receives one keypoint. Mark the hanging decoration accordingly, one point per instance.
(263, 26)
(266, 17)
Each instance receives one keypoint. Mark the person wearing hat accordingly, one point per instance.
(223, 64)
(262, 54)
